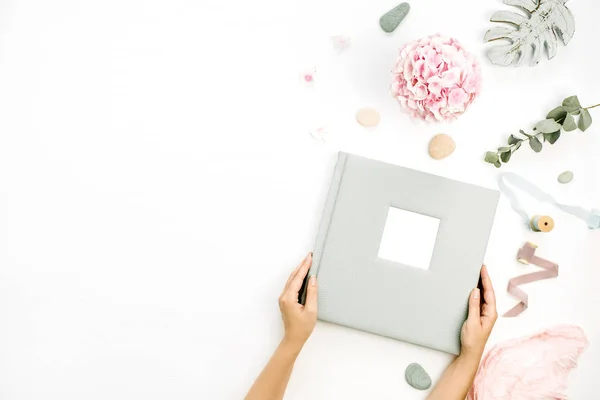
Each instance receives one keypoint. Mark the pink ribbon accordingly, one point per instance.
(527, 255)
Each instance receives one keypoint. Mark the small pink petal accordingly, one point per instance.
(449, 52)
(307, 77)
(458, 98)
(451, 77)
(435, 85)
(319, 134)
(408, 69)
(418, 68)
(340, 42)
(420, 91)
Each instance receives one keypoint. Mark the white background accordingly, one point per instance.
(158, 183)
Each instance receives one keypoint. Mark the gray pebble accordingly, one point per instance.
(565, 177)
(391, 19)
(417, 377)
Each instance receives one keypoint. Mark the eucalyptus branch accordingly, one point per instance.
(548, 130)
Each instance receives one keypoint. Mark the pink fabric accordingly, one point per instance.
(530, 368)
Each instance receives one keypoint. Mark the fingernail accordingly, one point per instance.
(310, 254)
(313, 280)
(476, 294)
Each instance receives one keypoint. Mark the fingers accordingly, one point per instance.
(296, 282)
(488, 294)
(488, 290)
(474, 310)
(293, 274)
(311, 295)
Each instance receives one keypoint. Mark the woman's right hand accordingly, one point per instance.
(458, 377)
(477, 328)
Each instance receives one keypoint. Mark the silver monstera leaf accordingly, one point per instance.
(542, 24)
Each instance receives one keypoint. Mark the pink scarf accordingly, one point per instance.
(530, 368)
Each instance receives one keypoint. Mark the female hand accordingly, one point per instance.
(477, 328)
(299, 320)
(299, 323)
(458, 377)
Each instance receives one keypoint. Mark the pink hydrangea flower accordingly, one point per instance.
(435, 79)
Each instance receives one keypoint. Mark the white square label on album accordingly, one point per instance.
(409, 238)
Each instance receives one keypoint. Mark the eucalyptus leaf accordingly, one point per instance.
(563, 117)
(517, 146)
(491, 157)
(585, 120)
(571, 104)
(569, 123)
(535, 144)
(522, 132)
(552, 137)
(558, 114)
(547, 126)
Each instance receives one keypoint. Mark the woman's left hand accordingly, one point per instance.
(299, 320)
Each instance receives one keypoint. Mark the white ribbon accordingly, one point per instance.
(591, 217)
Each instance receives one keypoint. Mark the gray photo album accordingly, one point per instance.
(398, 251)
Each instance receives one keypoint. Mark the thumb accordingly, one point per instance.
(311, 295)
(474, 310)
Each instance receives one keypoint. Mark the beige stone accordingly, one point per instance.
(441, 146)
(367, 117)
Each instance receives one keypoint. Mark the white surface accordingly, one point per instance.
(158, 183)
(408, 238)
